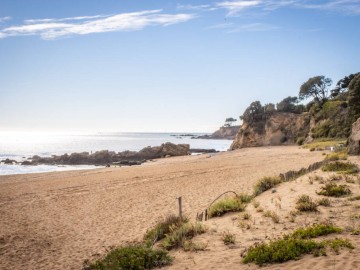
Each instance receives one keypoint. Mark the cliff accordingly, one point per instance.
(227, 133)
(354, 139)
(279, 128)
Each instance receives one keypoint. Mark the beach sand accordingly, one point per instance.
(58, 220)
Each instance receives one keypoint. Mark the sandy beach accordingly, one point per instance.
(58, 220)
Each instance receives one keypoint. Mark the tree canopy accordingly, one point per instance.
(354, 99)
(229, 121)
(342, 85)
(289, 104)
(316, 87)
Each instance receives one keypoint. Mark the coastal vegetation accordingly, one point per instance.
(293, 246)
(221, 207)
(132, 257)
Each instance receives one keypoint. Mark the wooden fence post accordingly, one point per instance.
(180, 207)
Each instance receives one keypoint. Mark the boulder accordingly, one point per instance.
(354, 139)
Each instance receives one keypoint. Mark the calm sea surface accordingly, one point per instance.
(20, 146)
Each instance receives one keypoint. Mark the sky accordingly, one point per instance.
(163, 66)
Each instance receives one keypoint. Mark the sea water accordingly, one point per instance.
(21, 146)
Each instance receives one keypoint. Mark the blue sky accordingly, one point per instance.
(118, 65)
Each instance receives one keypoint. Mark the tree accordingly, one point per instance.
(229, 121)
(287, 104)
(254, 112)
(342, 85)
(354, 99)
(316, 87)
(269, 108)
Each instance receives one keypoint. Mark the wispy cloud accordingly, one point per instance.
(55, 28)
(253, 27)
(4, 19)
(196, 7)
(32, 21)
(341, 6)
(235, 7)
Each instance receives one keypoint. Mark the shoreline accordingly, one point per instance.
(57, 220)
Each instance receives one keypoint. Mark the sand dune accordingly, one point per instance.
(57, 220)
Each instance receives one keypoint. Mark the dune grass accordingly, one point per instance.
(231, 204)
(178, 235)
(133, 257)
(341, 167)
(266, 183)
(162, 228)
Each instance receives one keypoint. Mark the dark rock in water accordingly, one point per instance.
(9, 161)
(26, 163)
(354, 139)
(198, 150)
(109, 157)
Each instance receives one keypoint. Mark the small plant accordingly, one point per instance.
(189, 245)
(228, 238)
(232, 204)
(162, 228)
(324, 202)
(266, 183)
(244, 225)
(335, 177)
(334, 190)
(246, 216)
(355, 198)
(179, 234)
(312, 149)
(259, 209)
(132, 257)
(342, 167)
(349, 179)
(305, 204)
(256, 204)
(300, 140)
(275, 218)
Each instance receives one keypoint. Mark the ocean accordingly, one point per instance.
(21, 146)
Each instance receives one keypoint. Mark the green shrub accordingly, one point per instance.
(337, 166)
(293, 246)
(179, 234)
(334, 190)
(134, 257)
(314, 231)
(338, 243)
(189, 245)
(281, 250)
(266, 183)
(232, 204)
(305, 204)
(163, 228)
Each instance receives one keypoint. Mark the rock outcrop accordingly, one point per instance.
(109, 157)
(279, 128)
(225, 133)
(354, 139)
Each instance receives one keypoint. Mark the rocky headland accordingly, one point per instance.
(223, 133)
(106, 157)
